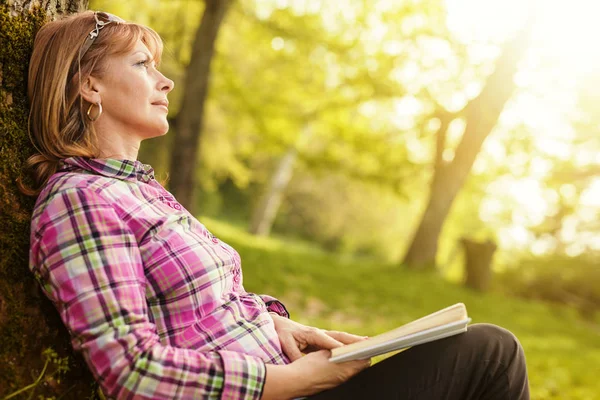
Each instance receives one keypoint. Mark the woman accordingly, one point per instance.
(151, 298)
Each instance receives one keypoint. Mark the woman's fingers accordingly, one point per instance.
(290, 347)
(345, 337)
(319, 339)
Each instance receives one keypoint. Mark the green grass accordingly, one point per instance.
(365, 297)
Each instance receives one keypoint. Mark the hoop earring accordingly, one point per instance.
(97, 115)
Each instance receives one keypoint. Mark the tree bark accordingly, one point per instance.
(478, 263)
(29, 324)
(481, 116)
(191, 115)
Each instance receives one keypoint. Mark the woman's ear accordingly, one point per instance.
(89, 90)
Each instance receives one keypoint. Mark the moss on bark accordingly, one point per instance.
(29, 324)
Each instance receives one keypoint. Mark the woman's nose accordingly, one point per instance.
(166, 85)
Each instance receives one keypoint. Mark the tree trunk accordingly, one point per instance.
(481, 115)
(29, 324)
(265, 213)
(152, 152)
(191, 115)
(478, 263)
(268, 206)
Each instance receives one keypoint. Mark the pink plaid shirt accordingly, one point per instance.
(151, 298)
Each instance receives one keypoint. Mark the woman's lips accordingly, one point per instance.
(162, 103)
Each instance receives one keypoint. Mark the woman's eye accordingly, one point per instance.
(143, 63)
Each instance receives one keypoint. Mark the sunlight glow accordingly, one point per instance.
(563, 54)
(277, 43)
(591, 196)
(484, 20)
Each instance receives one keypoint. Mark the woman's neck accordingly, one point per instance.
(113, 143)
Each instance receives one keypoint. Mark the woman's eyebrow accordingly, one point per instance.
(144, 53)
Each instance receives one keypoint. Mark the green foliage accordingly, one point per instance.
(52, 361)
(368, 297)
(286, 71)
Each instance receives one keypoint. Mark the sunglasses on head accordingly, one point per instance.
(102, 19)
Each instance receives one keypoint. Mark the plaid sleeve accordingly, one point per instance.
(88, 263)
(240, 379)
(274, 305)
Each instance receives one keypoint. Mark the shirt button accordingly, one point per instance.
(177, 206)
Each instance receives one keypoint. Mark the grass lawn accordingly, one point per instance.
(364, 297)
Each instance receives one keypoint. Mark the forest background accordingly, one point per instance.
(396, 152)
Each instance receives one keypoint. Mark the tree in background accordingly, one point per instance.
(480, 116)
(190, 119)
(264, 214)
(33, 342)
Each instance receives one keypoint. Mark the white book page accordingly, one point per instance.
(440, 318)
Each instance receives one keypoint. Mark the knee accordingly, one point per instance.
(496, 342)
(487, 332)
(502, 354)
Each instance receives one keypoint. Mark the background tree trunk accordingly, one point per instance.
(478, 263)
(265, 213)
(481, 115)
(29, 324)
(191, 115)
(268, 205)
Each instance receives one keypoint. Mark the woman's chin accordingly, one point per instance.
(158, 131)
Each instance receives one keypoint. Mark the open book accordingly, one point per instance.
(447, 322)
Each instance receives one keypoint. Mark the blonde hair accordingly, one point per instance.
(58, 127)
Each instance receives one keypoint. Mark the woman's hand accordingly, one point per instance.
(308, 375)
(297, 339)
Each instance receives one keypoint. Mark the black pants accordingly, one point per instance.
(486, 362)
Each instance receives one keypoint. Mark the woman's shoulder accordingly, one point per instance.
(72, 181)
(65, 189)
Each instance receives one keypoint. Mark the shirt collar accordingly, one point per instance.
(119, 169)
